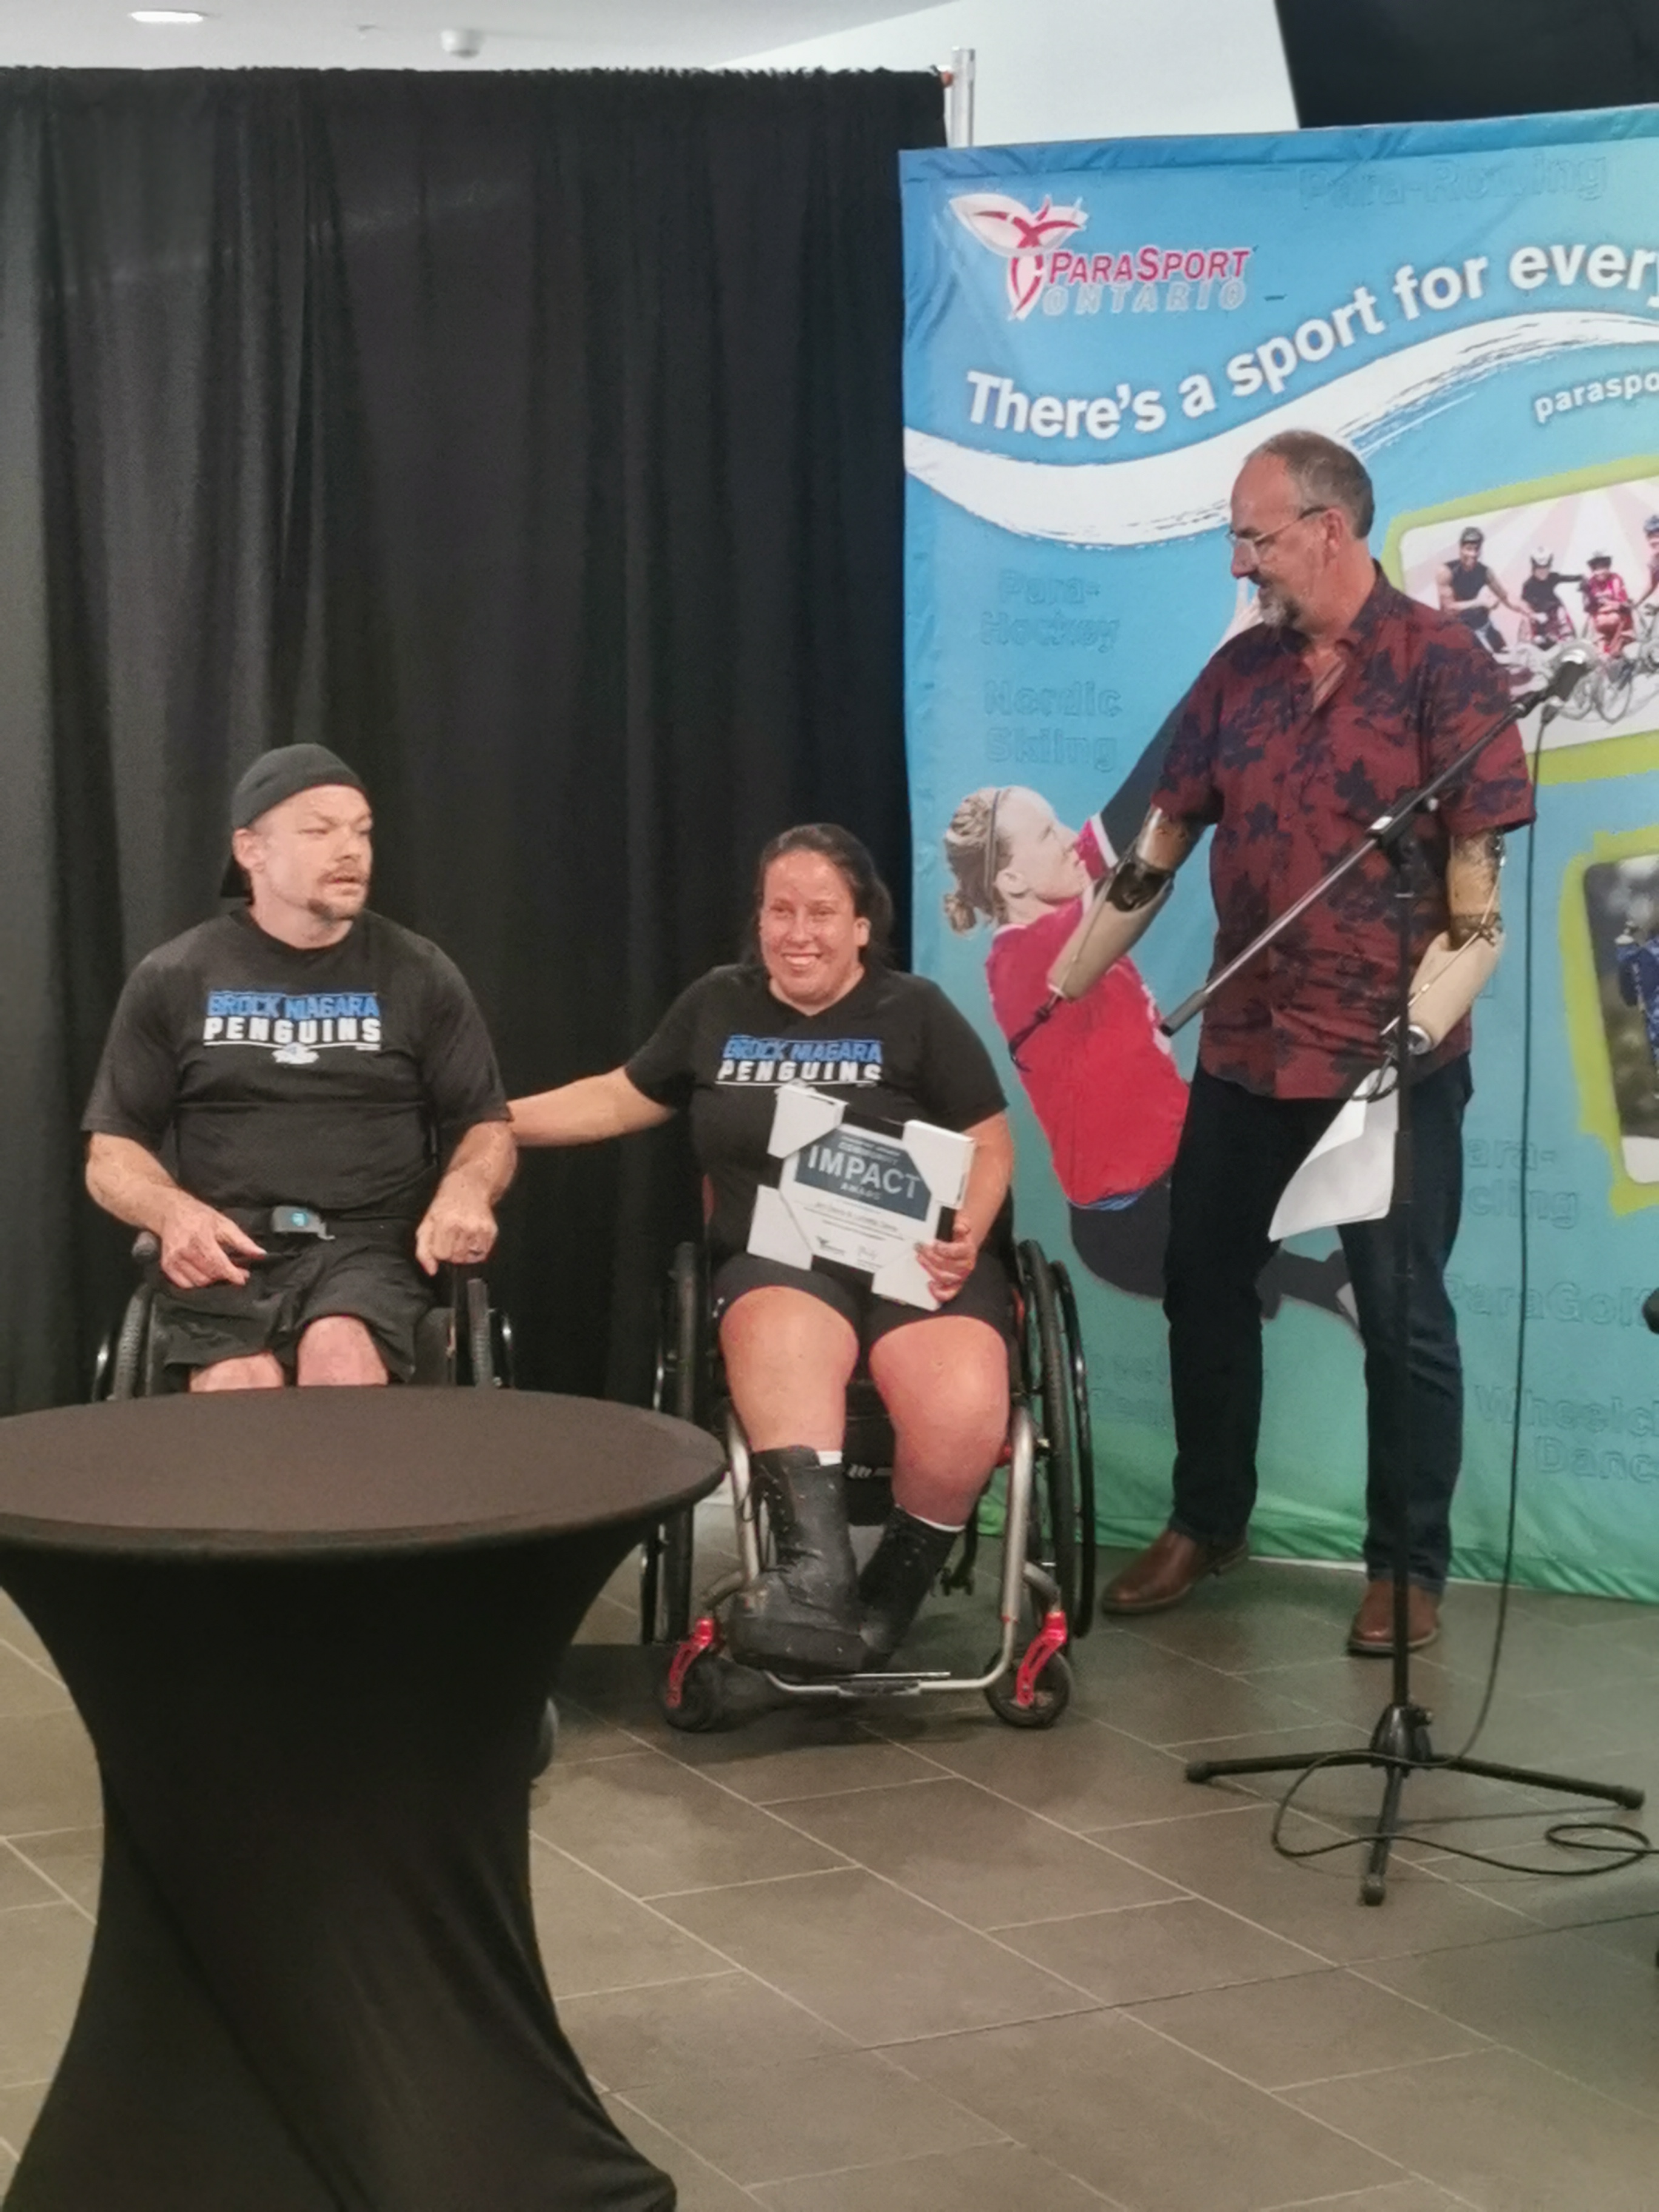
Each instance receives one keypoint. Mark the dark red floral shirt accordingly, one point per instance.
(1291, 785)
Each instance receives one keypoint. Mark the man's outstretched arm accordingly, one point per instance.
(459, 1226)
(196, 1244)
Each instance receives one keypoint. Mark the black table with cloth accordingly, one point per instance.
(311, 1633)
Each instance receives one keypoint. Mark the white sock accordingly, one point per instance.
(944, 1527)
(828, 1459)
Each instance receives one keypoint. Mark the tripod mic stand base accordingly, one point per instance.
(1400, 1746)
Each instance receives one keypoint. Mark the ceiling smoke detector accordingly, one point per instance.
(463, 44)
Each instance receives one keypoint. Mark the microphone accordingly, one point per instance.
(1569, 672)
(1560, 684)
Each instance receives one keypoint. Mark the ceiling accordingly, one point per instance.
(405, 33)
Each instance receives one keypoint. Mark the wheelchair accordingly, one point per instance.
(461, 1341)
(1046, 1586)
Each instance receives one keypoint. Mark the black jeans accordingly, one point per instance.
(1238, 1152)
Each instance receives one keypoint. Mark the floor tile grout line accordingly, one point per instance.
(680, 1766)
(675, 1981)
(753, 1881)
(680, 2144)
(1409, 2173)
(765, 1804)
(1000, 2133)
(10, 1843)
(1005, 1796)
(1286, 2089)
(60, 1897)
(967, 1927)
(735, 1966)
(787, 1874)
(1495, 2049)
(1352, 2196)
(1189, 1897)
(1531, 2058)
(1355, 1840)
(1077, 1835)
(862, 1789)
(47, 1673)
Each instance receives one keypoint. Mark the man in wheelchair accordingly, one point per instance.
(277, 1090)
(816, 1002)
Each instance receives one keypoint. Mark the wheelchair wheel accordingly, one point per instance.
(1046, 1694)
(480, 1336)
(666, 1571)
(701, 1704)
(1053, 1537)
(124, 1370)
(1083, 1434)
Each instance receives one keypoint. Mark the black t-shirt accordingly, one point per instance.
(268, 1075)
(894, 1048)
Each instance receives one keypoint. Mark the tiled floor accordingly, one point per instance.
(915, 1962)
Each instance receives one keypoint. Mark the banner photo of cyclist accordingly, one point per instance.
(1097, 336)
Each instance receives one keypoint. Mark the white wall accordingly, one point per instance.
(1101, 68)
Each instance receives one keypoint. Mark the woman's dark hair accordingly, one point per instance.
(871, 900)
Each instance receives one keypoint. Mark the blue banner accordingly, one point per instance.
(1096, 337)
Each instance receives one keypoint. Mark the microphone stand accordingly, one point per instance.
(1399, 1743)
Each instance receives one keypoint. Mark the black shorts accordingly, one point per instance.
(984, 1296)
(369, 1274)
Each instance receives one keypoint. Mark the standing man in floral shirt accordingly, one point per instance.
(1298, 735)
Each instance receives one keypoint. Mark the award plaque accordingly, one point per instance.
(859, 1194)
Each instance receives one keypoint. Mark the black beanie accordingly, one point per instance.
(277, 775)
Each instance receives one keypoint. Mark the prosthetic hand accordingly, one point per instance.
(1123, 908)
(1458, 964)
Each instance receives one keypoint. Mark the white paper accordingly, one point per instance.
(807, 1218)
(1349, 1174)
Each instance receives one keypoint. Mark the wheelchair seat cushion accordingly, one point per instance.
(984, 1296)
(369, 1274)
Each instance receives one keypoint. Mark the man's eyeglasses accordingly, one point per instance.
(1256, 542)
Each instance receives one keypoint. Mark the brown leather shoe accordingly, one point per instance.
(1166, 1572)
(1371, 1635)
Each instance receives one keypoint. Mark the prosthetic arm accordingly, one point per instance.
(1123, 907)
(1458, 964)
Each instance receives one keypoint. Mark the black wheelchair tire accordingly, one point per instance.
(131, 1345)
(1054, 1495)
(702, 1697)
(1083, 1437)
(665, 1564)
(480, 1340)
(688, 1293)
(1053, 1695)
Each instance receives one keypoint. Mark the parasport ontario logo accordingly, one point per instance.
(1043, 265)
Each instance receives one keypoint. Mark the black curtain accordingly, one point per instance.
(533, 441)
(1421, 61)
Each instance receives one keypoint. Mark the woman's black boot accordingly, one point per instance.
(803, 1611)
(902, 1569)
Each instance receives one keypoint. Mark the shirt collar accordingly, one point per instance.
(1381, 601)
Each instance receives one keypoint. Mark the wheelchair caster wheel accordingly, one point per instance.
(1050, 1693)
(702, 1703)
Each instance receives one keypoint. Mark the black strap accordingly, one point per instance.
(1021, 1037)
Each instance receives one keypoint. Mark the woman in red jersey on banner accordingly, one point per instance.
(1098, 1072)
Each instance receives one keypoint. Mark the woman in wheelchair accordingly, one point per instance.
(817, 1002)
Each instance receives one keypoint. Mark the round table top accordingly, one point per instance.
(302, 1473)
